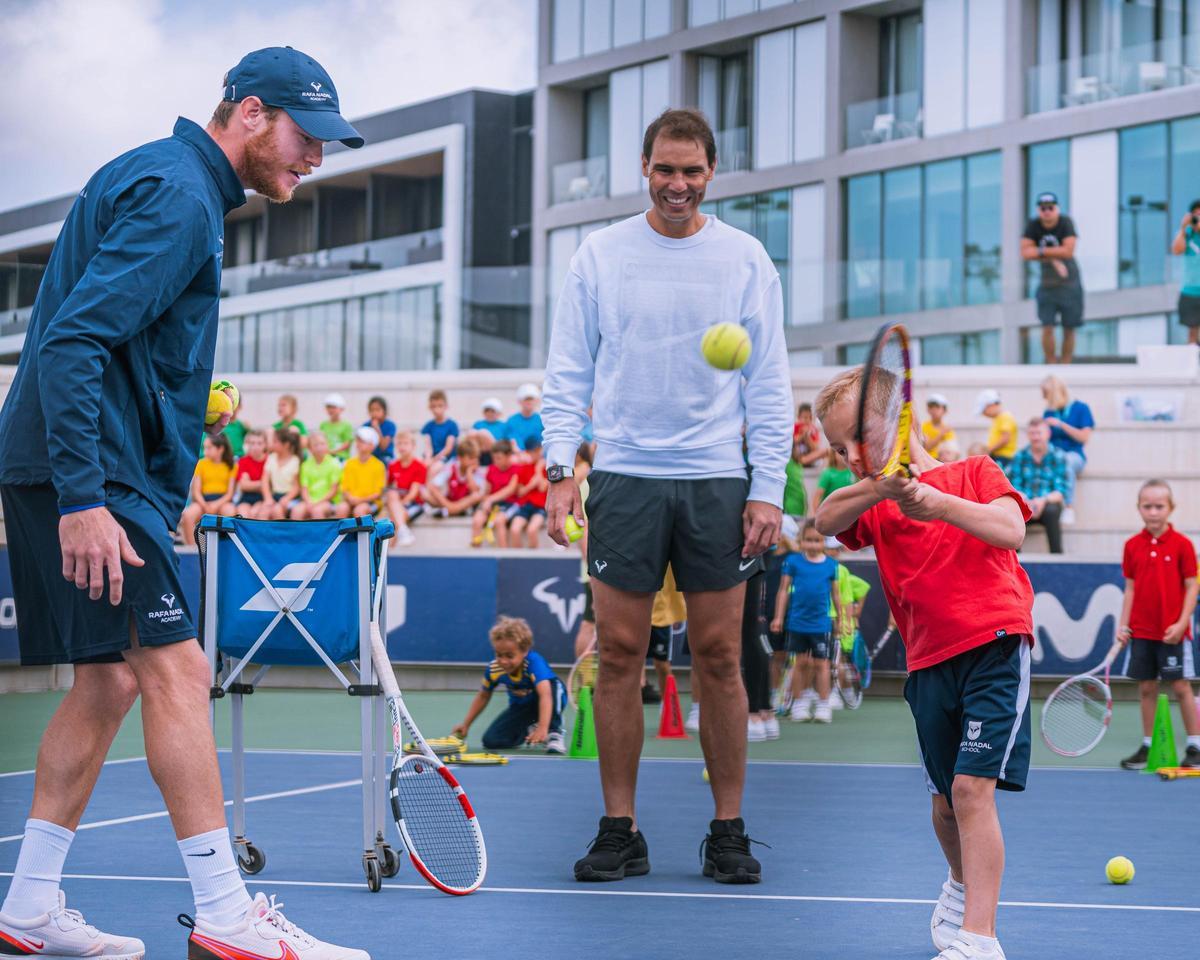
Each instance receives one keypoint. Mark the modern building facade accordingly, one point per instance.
(411, 253)
(887, 155)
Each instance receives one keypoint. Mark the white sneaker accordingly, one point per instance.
(555, 743)
(802, 710)
(963, 949)
(63, 933)
(835, 700)
(756, 730)
(693, 721)
(823, 713)
(1067, 517)
(404, 537)
(265, 932)
(771, 727)
(947, 914)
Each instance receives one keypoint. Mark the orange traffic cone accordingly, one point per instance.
(670, 724)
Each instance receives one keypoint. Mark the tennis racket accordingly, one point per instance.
(1177, 773)
(583, 672)
(476, 759)
(846, 677)
(783, 693)
(873, 652)
(436, 820)
(1075, 716)
(439, 745)
(885, 413)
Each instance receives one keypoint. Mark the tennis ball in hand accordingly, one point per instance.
(229, 390)
(574, 530)
(726, 346)
(1119, 870)
(704, 774)
(219, 405)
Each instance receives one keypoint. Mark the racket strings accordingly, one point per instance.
(1076, 715)
(884, 399)
(442, 836)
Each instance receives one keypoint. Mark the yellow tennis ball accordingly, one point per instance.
(230, 391)
(705, 774)
(726, 346)
(574, 530)
(1119, 870)
(219, 404)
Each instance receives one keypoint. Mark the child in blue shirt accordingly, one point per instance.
(441, 431)
(536, 697)
(803, 604)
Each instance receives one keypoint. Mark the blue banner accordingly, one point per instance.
(440, 608)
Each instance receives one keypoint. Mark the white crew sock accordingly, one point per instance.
(38, 874)
(221, 896)
(1146, 741)
(1194, 741)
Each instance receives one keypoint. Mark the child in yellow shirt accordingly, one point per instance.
(364, 477)
(212, 485)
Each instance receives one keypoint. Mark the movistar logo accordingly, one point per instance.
(294, 598)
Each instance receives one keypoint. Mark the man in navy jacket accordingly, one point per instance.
(98, 440)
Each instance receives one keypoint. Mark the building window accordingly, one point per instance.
(767, 218)
(1143, 229)
(789, 95)
(1113, 340)
(724, 97)
(585, 27)
(1047, 169)
(980, 346)
(853, 354)
(701, 12)
(921, 238)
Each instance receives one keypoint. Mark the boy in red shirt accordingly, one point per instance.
(248, 478)
(532, 484)
(406, 478)
(501, 486)
(946, 548)
(1159, 566)
(458, 488)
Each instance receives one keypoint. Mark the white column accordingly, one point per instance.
(807, 254)
(945, 69)
(625, 131)
(808, 95)
(985, 62)
(1093, 208)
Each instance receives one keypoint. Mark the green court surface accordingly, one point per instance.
(881, 731)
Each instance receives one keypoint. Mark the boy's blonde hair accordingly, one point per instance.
(467, 447)
(1160, 483)
(290, 400)
(406, 433)
(845, 387)
(512, 630)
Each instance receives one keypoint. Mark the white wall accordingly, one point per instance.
(985, 62)
(808, 97)
(944, 52)
(789, 119)
(1094, 195)
(807, 254)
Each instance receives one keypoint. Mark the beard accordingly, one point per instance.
(262, 164)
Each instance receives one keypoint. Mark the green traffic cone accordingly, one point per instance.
(583, 735)
(1162, 743)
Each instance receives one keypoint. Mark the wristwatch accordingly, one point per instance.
(558, 473)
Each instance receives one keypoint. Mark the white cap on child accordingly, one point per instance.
(493, 403)
(367, 435)
(335, 400)
(528, 391)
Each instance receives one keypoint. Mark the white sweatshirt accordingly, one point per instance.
(626, 339)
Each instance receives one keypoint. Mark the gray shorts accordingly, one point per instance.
(637, 525)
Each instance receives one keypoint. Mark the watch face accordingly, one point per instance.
(554, 474)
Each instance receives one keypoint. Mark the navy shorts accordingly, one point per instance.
(973, 715)
(660, 644)
(527, 511)
(249, 499)
(56, 622)
(1065, 303)
(1155, 660)
(816, 644)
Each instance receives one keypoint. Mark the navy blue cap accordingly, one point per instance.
(296, 83)
(1047, 197)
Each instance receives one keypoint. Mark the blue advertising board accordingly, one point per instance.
(440, 608)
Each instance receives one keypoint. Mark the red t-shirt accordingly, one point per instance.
(1159, 568)
(456, 484)
(404, 478)
(498, 479)
(250, 468)
(525, 473)
(948, 590)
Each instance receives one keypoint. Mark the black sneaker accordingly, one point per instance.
(1138, 760)
(650, 694)
(616, 853)
(1191, 758)
(726, 853)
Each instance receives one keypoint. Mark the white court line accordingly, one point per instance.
(27, 773)
(320, 788)
(658, 894)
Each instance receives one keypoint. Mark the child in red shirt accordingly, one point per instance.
(406, 479)
(946, 548)
(501, 484)
(248, 478)
(530, 513)
(1159, 566)
(459, 487)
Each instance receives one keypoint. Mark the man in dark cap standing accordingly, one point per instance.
(97, 447)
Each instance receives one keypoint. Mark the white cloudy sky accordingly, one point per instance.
(87, 79)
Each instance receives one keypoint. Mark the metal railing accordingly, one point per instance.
(579, 180)
(898, 117)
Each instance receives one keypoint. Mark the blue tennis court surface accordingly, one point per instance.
(852, 870)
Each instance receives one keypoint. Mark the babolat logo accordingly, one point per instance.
(172, 613)
(296, 599)
(316, 93)
(972, 744)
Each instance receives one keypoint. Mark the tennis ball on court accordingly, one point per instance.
(219, 405)
(1119, 870)
(574, 530)
(705, 774)
(726, 346)
(229, 390)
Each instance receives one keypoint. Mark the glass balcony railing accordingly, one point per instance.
(579, 180)
(19, 284)
(733, 149)
(897, 117)
(387, 254)
(1141, 68)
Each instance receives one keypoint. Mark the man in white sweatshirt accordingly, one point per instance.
(670, 483)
